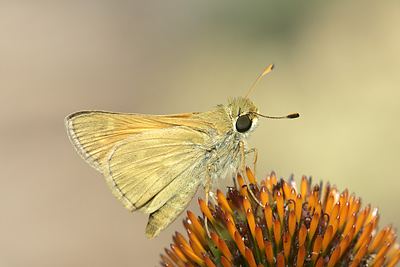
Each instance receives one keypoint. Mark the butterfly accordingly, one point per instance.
(155, 163)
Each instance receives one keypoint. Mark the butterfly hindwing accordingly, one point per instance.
(146, 170)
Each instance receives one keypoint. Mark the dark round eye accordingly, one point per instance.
(243, 123)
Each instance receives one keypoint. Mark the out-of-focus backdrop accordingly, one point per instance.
(337, 64)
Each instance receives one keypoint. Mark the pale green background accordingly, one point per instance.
(337, 64)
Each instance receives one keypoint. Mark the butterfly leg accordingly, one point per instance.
(243, 168)
(210, 168)
(255, 151)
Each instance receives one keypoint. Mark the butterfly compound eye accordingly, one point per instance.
(243, 123)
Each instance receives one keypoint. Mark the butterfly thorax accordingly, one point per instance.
(221, 149)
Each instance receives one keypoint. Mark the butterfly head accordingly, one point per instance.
(243, 114)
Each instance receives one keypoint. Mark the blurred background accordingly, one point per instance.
(337, 64)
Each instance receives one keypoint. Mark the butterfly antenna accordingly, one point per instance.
(290, 116)
(270, 67)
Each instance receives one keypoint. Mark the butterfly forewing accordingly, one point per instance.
(95, 133)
